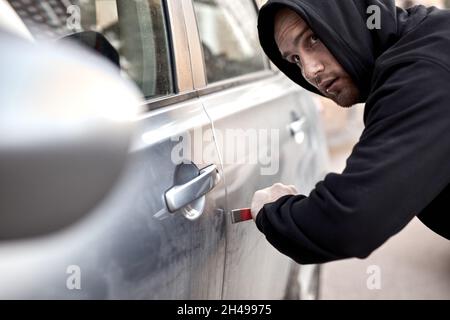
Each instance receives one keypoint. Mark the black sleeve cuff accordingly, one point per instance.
(298, 250)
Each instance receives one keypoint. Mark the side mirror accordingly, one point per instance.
(65, 125)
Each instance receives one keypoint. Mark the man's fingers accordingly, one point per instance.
(270, 194)
(280, 189)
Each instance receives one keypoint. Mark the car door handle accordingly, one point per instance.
(297, 130)
(297, 126)
(179, 196)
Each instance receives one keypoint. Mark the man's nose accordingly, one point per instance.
(311, 68)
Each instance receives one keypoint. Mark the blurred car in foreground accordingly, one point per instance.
(218, 123)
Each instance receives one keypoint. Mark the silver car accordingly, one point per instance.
(218, 123)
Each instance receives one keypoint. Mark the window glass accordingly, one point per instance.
(229, 38)
(131, 34)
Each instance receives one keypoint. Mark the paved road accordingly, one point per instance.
(414, 264)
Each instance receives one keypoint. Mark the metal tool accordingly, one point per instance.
(240, 215)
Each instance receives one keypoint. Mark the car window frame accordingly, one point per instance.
(195, 43)
(188, 66)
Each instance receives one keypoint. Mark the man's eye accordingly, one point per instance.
(314, 39)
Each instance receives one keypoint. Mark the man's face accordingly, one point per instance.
(299, 45)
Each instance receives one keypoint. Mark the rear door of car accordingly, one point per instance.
(161, 234)
(266, 130)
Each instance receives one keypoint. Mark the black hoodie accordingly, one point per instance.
(400, 167)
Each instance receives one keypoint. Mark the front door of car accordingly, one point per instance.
(263, 127)
(171, 242)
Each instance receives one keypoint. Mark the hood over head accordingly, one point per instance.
(342, 27)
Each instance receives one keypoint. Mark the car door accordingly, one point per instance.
(267, 131)
(161, 232)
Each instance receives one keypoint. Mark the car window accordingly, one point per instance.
(131, 34)
(228, 33)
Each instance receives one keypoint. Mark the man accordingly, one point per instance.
(400, 167)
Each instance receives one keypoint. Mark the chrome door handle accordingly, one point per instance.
(181, 195)
(296, 126)
(296, 129)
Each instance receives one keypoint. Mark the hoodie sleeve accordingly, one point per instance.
(399, 165)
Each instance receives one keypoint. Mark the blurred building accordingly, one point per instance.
(427, 3)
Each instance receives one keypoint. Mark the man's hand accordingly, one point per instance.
(270, 194)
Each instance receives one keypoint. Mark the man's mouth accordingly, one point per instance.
(328, 86)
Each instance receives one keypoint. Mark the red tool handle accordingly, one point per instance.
(239, 215)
